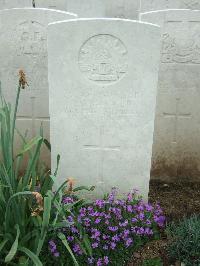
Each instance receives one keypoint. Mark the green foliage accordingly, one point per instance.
(28, 207)
(153, 262)
(185, 241)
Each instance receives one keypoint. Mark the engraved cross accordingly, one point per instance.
(102, 149)
(176, 116)
(33, 118)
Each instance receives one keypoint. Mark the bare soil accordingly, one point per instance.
(178, 200)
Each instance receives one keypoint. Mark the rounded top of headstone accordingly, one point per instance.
(37, 10)
(172, 10)
(103, 20)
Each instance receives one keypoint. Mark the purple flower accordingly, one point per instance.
(160, 220)
(52, 243)
(148, 231)
(87, 222)
(105, 247)
(112, 195)
(148, 222)
(129, 197)
(77, 249)
(129, 208)
(141, 216)
(124, 224)
(106, 260)
(90, 260)
(99, 262)
(129, 242)
(97, 221)
(115, 238)
(113, 245)
(95, 245)
(95, 233)
(67, 200)
(148, 207)
(70, 238)
(56, 254)
(70, 219)
(113, 228)
(100, 203)
(126, 233)
(105, 237)
(74, 230)
(134, 220)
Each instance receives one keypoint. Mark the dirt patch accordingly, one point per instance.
(178, 200)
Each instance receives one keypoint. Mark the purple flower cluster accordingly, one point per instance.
(114, 224)
(53, 248)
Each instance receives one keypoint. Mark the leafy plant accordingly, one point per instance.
(153, 262)
(28, 207)
(185, 241)
(107, 232)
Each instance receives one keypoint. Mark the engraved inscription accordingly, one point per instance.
(184, 47)
(103, 59)
(31, 37)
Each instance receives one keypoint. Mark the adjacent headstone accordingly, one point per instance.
(52, 4)
(150, 5)
(5, 4)
(87, 8)
(128, 9)
(24, 46)
(103, 86)
(176, 151)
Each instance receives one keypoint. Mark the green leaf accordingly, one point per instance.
(31, 255)
(2, 244)
(84, 188)
(48, 144)
(65, 243)
(14, 247)
(29, 145)
(45, 222)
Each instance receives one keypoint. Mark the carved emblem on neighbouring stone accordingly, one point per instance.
(103, 59)
(181, 50)
(191, 4)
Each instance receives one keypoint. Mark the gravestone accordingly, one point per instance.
(150, 5)
(87, 8)
(176, 151)
(128, 9)
(52, 4)
(5, 4)
(102, 101)
(24, 46)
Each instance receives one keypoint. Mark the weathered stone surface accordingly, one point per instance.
(176, 151)
(102, 101)
(150, 5)
(5, 4)
(24, 46)
(52, 4)
(87, 8)
(122, 8)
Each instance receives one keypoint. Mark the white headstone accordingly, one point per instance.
(150, 5)
(52, 4)
(23, 34)
(5, 4)
(102, 100)
(122, 8)
(176, 149)
(87, 8)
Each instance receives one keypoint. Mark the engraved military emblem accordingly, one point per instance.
(32, 38)
(103, 59)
